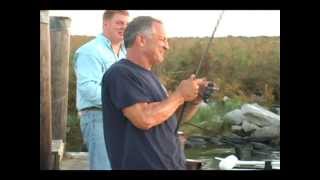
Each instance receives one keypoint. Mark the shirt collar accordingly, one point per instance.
(108, 42)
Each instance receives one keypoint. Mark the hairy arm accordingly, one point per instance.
(147, 115)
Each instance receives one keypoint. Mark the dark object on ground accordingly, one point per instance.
(192, 164)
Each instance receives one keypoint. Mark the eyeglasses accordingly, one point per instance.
(161, 38)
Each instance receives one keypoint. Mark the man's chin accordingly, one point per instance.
(120, 35)
(118, 39)
(159, 61)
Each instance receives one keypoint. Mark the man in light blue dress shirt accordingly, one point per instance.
(91, 61)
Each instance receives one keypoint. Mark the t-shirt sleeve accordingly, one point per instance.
(125, 88)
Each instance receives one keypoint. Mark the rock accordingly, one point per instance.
(222, 151)
(256, 121)
(260, 146)
(278, 110)
(197, 137)
(265, 140)
(238, 131)
(215, 141)
(236, 128)
(233, 139)
(234, 136)
(267, 132)
(193, 142)
(235, 117)
(249, 127)
(259, 115)
(276, 141)
(260, 155)
(275, 155)
(244, 152)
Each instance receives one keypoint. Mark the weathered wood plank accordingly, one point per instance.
(45, 93)
(60, 48)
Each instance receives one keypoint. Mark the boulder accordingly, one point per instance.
(260, 146)
(256, 121)
(244, 152)
(267, 132)
(236, 129)
(233, 139)
(260, 116)
(249, 127)
(235, 117)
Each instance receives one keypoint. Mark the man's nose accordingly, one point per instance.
(123, 26)
(166, 45)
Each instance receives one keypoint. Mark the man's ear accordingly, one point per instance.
(141, 40)
(105, 23)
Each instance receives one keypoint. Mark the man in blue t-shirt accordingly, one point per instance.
(138, 115)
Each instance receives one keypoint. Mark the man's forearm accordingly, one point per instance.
(189, 111)
(161, 111)
(147, 115)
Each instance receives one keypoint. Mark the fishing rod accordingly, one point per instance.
(210, 88)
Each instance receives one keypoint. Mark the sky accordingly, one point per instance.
(186, 23)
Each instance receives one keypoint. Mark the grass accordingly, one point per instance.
(74, 136)
(210, 119)
(209, 152)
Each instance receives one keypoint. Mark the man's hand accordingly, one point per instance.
(206, 89)
(189, 89)
(203, 83)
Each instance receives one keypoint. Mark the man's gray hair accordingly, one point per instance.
(138, 25)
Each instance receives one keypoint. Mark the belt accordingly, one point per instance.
(91, 109)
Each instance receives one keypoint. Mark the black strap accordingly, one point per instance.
(91, 108)
(180, 117)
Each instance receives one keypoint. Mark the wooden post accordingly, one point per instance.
(45, 93)
(60, 47)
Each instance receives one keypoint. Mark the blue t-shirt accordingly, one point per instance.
(129, 147)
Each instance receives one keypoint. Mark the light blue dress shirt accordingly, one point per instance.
(90, 63)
